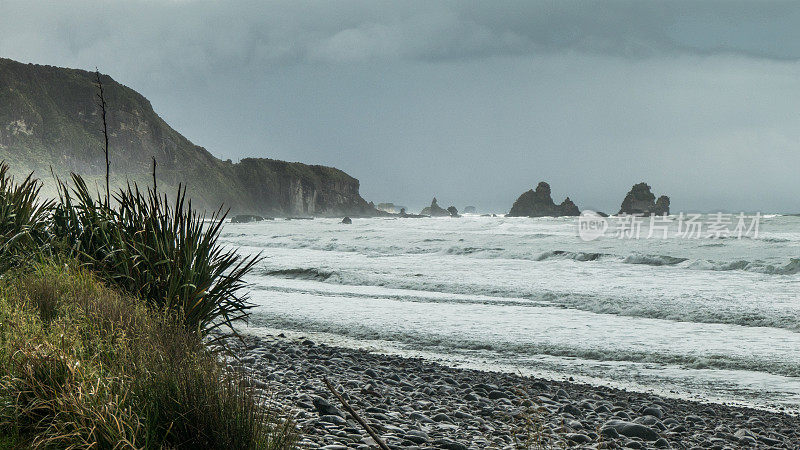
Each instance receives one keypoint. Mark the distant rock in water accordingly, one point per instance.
(246, 218)
(568, 208)
(470, 210)
(641, 201)
(435, 210)
(347, 220)
(453, 211)
(389, 208)
(662, 206)
(539, 203)
(410, 216)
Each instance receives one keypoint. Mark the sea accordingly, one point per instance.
(713, 317)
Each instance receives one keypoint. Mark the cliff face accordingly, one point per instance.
(299, 189)
(641, 201)
(539, 203)
(49, 117)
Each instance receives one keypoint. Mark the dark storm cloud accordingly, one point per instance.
(254, 32)
(471, 101)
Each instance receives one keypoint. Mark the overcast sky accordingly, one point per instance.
(474, 102)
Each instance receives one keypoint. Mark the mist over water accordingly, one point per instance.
(715, 319)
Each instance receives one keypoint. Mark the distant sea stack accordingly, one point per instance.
(539, 203)
(49, 117)
(641, 201)
(435, 210)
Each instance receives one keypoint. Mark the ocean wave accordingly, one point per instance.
(453, 344)
(301, 273)
(775, 240)
(455, 250)
(437, 246)
(562, 254)
(790, 268)
(421, 290)
(653, 260)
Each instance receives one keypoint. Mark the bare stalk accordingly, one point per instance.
(102, 103)
(155, 183)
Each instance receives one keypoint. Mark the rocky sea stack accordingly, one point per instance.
(436, 211)
(539, 203)
(641, 201)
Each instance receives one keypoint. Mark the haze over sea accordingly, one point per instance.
(714, 319)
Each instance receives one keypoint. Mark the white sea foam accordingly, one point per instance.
(717, 318)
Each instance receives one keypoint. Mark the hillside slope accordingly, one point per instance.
(49, 118)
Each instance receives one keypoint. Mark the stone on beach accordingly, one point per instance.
(631, 429)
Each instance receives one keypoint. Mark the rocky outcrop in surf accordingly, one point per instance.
(539, 203)
(437, 211)
(390, 208)
(246, 218)
(641, 201)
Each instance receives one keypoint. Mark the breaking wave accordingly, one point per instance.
(420, 289)
(455, 344)
(301, 274)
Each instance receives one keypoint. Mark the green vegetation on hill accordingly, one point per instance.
(49, 119)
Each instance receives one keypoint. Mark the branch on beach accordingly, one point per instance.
(353, 413)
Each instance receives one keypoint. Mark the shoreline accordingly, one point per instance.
(412, 403)
(380, 347)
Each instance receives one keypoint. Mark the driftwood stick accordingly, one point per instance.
(353, 413)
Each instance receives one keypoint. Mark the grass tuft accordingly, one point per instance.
(105, 315)
(23, 218)
(99, 369)
(159, 250)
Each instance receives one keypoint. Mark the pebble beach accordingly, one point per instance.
(412, 403)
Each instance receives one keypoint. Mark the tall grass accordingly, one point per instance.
(23, 218)
(99, 369)
(164, 252)
(83, 365)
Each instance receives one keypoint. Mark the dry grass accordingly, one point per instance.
(528, 422)
(83, 366)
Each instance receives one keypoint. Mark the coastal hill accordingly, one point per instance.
(49, 118)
